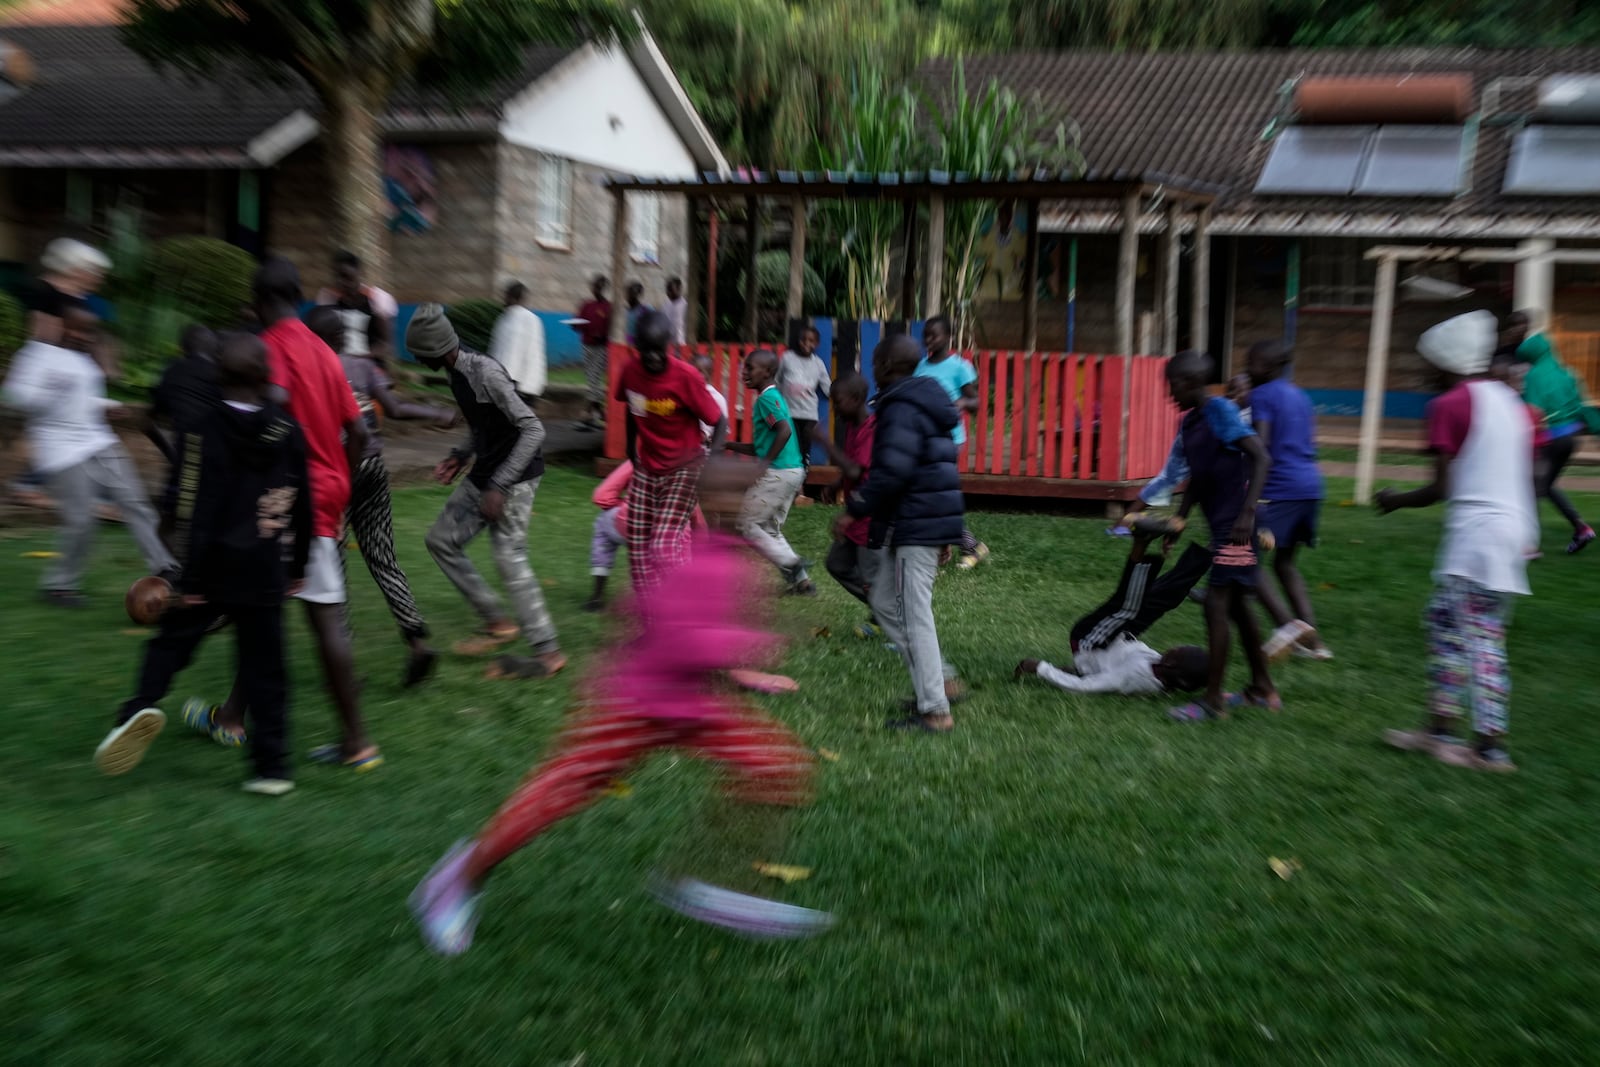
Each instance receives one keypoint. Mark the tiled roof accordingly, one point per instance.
(1203, 114)
(94, 102)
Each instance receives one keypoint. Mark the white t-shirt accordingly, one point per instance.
(722, 406)
(1121, 667)
(517, 344)
(1491, 520)
(64, 395)
(677, 312)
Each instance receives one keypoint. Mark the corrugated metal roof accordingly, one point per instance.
(900, 185)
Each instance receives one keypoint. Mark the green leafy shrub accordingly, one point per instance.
(206, 278)
(772, 277)
(474, 322)
(13, 329)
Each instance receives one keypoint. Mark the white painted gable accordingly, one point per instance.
(595, 108)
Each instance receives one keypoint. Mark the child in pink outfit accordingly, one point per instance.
(610, 530)
(661, 690)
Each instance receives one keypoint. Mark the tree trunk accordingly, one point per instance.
(355, 172)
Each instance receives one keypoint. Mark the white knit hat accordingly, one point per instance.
(64, 254)
(1463, 345)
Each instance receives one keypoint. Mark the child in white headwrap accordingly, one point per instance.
(1482, 437)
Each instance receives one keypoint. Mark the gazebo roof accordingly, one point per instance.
(920, 185)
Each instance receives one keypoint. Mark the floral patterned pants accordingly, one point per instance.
(1467, 654)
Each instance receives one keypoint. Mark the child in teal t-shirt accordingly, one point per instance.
(959, 378)
(766, 505)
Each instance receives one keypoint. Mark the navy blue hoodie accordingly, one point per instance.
(914, 494)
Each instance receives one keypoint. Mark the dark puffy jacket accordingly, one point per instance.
(914, 492)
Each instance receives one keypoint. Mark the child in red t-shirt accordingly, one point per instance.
(852, 456)
(666, 401)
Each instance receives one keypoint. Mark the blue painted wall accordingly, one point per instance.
(1348, 403)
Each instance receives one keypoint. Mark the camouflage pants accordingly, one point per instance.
(455, 528)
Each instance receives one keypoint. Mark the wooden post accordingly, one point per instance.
(752, 283)
(908, 261)
(1200, 284)
(713, 252)
(691, 273)
(797, 260)
(1377, 378)
(619, 264)
(1030, 281)
(933, 283)
(1171, 249)
(1127, 271)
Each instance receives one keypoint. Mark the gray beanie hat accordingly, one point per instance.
(430, 335)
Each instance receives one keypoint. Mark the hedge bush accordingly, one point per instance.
(206, 278)
(474, 322)
(13, 329)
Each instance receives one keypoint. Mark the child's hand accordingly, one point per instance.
(841, 523)
(1244, 527)
(1026, 667)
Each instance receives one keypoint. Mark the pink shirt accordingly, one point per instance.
(700, 622)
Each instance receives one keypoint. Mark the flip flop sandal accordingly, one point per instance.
(333, 756)
(483, 642)
(202, 718)
(521, 668)
(916, 722)
(1195, 711)
(1249, 700)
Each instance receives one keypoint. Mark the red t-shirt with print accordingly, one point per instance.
(321, 402)
(667, 410)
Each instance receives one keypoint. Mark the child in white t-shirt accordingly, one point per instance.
(1482, 436)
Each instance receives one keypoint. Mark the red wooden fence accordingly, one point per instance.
(1048, 423)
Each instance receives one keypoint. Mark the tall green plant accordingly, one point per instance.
(991, 131)
(876, 130)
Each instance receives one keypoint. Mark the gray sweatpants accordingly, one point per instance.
(900, 590)
(106, 475)
(766, 507)
(594, 372)
(454, 529)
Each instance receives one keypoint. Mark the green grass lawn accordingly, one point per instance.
(1063, 880)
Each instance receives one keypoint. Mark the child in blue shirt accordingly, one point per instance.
(1227, 469)
(1286, 422)
(960, 381)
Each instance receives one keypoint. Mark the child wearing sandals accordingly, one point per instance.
(661, 690)
(1484, 439)
(242, 531)
(1227, 469)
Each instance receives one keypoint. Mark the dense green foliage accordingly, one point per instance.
(474, 322)
(207, 277)
(770, 75)
(13, 328)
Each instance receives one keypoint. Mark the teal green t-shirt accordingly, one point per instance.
(771, 412)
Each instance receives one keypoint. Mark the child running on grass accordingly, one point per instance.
(662, 692)
(610, 531)
(956, 375)
(782, 475)
(1482, 437)
(1286, 422)
(853, 458)
(371, 517)
(1227, 468)
(1107, 655)
(242, 507)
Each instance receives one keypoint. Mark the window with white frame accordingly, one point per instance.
(644, 227)
(553, 203)
(1335, 273)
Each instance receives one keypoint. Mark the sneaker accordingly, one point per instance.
(1321, 653)
(64, 598)
(268, 787)
(1285, 638)
(1493, 759)
(971, 559)
(1419, 741)
(742, 913)
(419, 665)
(125, 746)
(594, 605)
(868, 630)
(445, 906)
(1580, 540)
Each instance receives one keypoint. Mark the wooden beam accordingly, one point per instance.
(908, 260)
(1030, 281)
(1377, 378)
(797, 259)
(1127, 272)
(1171, 250)
(691, 271)
(933, 282)
(619, 263)
(1200, 283)
(752, 283)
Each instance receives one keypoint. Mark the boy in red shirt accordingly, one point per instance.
(667, 401)
(320, 400)
(848, 396)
